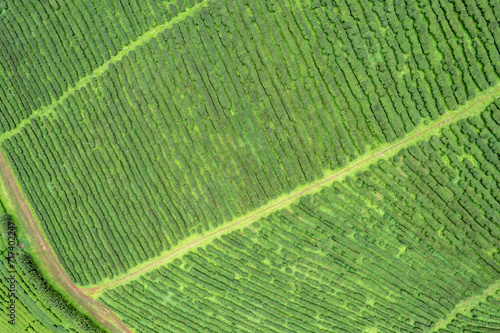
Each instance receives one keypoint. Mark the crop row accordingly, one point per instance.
(30, 304)
(394, 248)
(47, 47)
(29, 316)
(231, 107)
(484, 318)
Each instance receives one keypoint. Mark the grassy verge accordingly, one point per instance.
(43, 255)
(23, 234)
(466, 305)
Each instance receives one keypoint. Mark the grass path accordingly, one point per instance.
(467, 305)
(145, 38)
(387, 150)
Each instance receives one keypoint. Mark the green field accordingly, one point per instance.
(393, 249)
(258, 166)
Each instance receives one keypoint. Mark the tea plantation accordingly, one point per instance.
(259, 165)
(392, 249)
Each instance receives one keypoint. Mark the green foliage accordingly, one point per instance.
(6, 225)
(236, 104)
(38, 308)
(394, 248)
(485, 317)
(55, 300)
(48, 46)
(240, 102)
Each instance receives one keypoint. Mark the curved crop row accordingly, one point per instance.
(484, 318)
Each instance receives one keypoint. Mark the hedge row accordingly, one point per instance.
(37, 307)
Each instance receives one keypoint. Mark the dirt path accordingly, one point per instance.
(383, 152)
(95, 309)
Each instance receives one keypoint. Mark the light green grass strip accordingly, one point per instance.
(145, 38)
(422, 132)
(467, 305)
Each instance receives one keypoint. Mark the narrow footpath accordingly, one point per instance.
(107, 318)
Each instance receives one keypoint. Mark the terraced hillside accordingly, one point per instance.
(140, 133)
